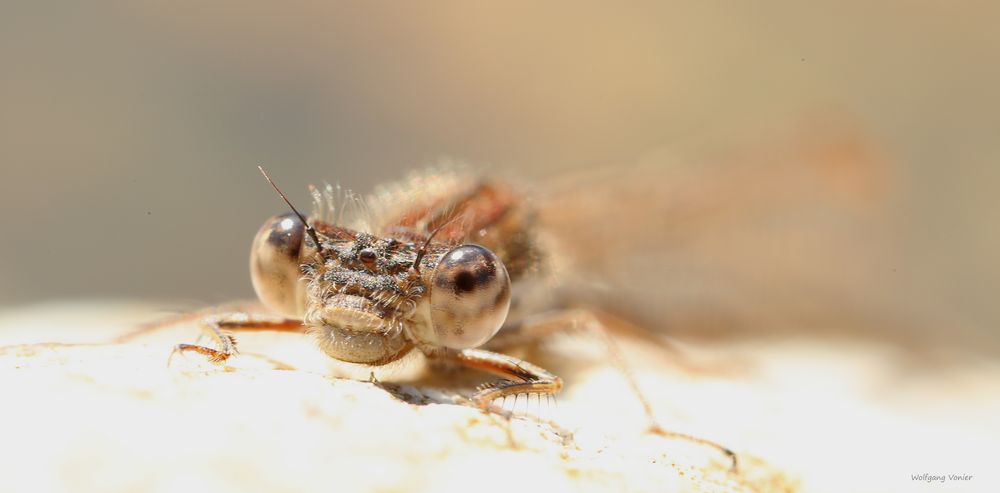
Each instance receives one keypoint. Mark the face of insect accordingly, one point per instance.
(364, 298)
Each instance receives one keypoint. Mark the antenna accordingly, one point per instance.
(309, 228)
(423, 248)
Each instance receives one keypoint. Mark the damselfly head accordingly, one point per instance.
(356, 288)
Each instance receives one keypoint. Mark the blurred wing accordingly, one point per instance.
(777, 237)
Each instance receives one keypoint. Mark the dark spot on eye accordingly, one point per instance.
(286, 239)
(464, 282)
(279, 238)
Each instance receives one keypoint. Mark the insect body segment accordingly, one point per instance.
(361, 295)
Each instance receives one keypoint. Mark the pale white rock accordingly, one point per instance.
(81, 412)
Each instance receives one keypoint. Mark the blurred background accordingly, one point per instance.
(130, 131)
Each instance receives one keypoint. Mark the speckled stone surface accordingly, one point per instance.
(84, 413)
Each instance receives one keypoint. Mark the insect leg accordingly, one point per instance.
(218, 329)
(173, 320)
(520, 376)
(593, 323)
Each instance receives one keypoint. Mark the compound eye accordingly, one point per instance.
(470, 296)
(275, 268)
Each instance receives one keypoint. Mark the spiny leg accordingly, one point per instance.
(527, 379)
(521, 377)
(551, 323)
(218, 328)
